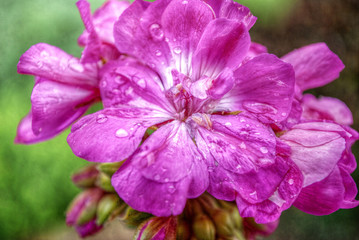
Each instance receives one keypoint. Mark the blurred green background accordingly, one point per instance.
(35, 185)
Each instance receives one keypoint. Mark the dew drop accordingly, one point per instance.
(166, 180)
(157, 177)
(239, 166)
(177, 50)
(228, 124)
(242, 120)
(185, 2)
(243, 145)
(101, 118)
(156, 31)
(44, 54)
(210, 169)
(77, 67)
(254, 195)
(284, 114)
(171, 189)
(103, 84)
(290, 181)
(121, 133)
(141, 83)
(263, 150)
(158, 53)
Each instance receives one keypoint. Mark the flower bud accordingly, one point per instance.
(83, 208)
(223, 222)
(88, 228)
(134, 218)
(160, 228)
(203, 228)
(104, 182)
(105, 207)
(85, 177)
(109, 168)
(183, 231)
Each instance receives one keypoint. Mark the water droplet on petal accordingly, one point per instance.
(228, 124)
(44, 54)
(263, 150)
(77, 67)
(101, 118)
(121, 133)
(141, 83)
(157, 177)
(103, 84)
(166, 180)
(257, 107)
(243, 145)
(158, 53)
(171, 189)
(290, 181)
(210, 169)
(254, 195)
(177, 50)
(284, 114)
(156, 31)
(185, 2)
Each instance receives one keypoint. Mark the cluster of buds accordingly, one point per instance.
(204, 218)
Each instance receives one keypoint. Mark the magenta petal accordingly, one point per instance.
(131, 83)
(183, 24)
(323, 197)
(315, 65)
(350, 190)
(264, 86)
(254, 50)
(224, 43)
(56, 105)
(111, 134)
(25, 135)
(145, 195)
(316, 149)
(88, 229)
(326, 108)
(50, 62)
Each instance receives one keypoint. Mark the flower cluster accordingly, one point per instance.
(193, 106)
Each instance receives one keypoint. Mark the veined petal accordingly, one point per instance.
(232, 10)
(112, 134)
(264, 86)
(55, 106)
(50, 62)
(316, 148)
(315, 65)
(129, 82)
(25, 135)
(254, 50)
(183, 25)
(224, 43)
(104, 19)
(326, 108)
(160, 176)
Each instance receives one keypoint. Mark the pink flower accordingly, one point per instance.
(211, 100)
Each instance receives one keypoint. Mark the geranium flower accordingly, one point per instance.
(65, 86)
(211, 101)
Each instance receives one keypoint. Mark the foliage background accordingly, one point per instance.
(35, 186)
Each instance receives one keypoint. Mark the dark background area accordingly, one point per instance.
(35, 186)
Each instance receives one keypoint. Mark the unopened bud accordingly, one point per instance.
(157, 228)
(88, 228)
(85, 177)
(83, 208)
(105, 207)
(109, 168)
(134, 218)
(183, 231)
(104, 182)
(203, 228)
(223, 222)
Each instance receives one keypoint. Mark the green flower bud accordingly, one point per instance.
(85, 177)
(104, 182)
(223, 222)
(203, 228)
(157, 228)
(109, 168)
(134, 218)
(105, 207)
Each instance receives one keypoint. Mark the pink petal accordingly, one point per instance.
(351, 190)
(232, 10)
(112, 134)
(254, 50)
(50, 62)
(55, 106)
(316, 149)
(263, 86)
(128, 82)
(88, 229)
(326, 108)
(315, 65)
(157, 178)
(224, 43)
(25, 135)
(183, 25)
